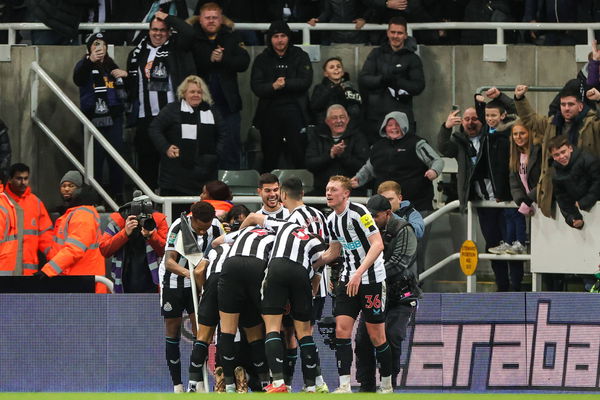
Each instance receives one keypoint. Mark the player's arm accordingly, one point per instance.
(172, 266)
(253, 219)
(200, 273)
(332, 253)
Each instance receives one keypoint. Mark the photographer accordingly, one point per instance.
(135, 239)
(400, 252)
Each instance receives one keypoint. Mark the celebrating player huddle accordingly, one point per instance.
(266, 284)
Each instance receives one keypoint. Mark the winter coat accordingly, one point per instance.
(319, 162)
(343, 12)
(578, 181)
(544, 128)
(399, 70)
(82, 77)
(63, 16)
(517, 190)
(328, 93)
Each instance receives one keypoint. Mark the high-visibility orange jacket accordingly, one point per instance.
(37, 228)
(75, 249)
(10, 263)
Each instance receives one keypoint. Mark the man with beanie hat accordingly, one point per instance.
(281, 76)
(402, 291)
(76, 236)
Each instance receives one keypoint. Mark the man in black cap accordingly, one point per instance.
(402, 291)
(281, 76)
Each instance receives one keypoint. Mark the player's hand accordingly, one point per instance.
(130, 224)
(520, 91)
(353, 285)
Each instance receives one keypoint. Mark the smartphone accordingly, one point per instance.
(455, 107)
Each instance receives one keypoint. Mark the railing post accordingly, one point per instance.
(168, 210)
(471, 279)
(306, 35)
(88, 153)
(590, 36)
(536, 282)
(12, 36)
(499, 35)
(35, 85)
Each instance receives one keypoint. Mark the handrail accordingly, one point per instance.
(107, 282)
(499, 27)
(481, 89)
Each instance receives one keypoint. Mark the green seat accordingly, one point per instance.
(242, 182)
(305, 176)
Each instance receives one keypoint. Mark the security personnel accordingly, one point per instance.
(37, 226)
(10, 264)
(76, 236)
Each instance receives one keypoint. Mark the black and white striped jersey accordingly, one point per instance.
(174, 281)
(352, 229)
(252, 241)
(282, 213)
(215, 259)
(293, 242)
(315, 222)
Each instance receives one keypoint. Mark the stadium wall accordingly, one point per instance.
(460, 342)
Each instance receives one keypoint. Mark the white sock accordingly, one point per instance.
(386, 381)
(344, 380)
(278, 382)
(311, 389)
(319, 380)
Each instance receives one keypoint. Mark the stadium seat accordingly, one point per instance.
(242, 182)
(305, 176)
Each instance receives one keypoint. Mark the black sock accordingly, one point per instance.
(173, 356)
(384, 357)
(259, 360)
(227, 346)
(199, 354)
(274, 352)
(291, 356)
(308, 353)
(343, 354)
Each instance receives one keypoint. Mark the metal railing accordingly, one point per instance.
(499, 27)
(107, 282)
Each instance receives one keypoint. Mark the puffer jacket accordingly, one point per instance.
(517, 190)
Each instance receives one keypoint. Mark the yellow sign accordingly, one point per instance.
(468, 257)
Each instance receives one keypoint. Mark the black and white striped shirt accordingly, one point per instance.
(215, 259)
(294, 243)
(252, 241)
(352, 229)
(174, 281)
(151, 102)
(282, 213)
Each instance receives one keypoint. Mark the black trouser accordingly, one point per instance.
(148, 158)
(397, 319)
(280, 133)
(493, 225)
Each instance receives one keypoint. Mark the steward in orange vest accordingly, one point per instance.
(37, 225)
(10, 263)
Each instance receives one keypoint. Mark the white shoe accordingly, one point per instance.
(178, 388)
(502, 248)
(322, 388)
(343, 389)
(517, 248)
(385, 389)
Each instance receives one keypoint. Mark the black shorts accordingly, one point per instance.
(287, 280)
(370, 300)
(318, 305)
(208, 309)
(174, 301)
(239, 288)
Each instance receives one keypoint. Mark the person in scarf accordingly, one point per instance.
(156, 67)
(101, 98)
(186, 134)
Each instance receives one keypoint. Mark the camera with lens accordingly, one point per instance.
(142, 208)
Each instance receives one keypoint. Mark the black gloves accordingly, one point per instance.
(41, 275)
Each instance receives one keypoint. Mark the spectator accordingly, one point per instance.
(219, 195)
(281, 76)
(135, 239)
(335, 148)
(101, 98)
(576, 180)
(593, 67)
(5, 150)
(335, 88)
(556, 11)
(220, 55)
(391, 75)
(343, 12)
(484, 11)
(403, 157)
(10, 264)
(36, 232)
(186, 134)
(392, 191)
(156, 67)
(76, 236)
(240, 11)
(61, 16)
(235, 217)
(576, 120)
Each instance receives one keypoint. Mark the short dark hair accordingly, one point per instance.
(218, 190)
(267, 177)
(571, 90)
(557, 142)
(330, 59)
(203, 211)
(236, 211)
(156, 19)
(397, 20)
(293, 187)
(17, 167)
(497, 105)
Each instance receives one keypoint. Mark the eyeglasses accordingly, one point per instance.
(161, 30)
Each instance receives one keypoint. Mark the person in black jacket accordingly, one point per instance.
(576, 180)
(156, 67)
(62, 16)
(101, 97)
(186, 133)
(220, 55)
(391, 75)
(281, 76)
(335, 148)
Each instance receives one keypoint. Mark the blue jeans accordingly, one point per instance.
(515, 226)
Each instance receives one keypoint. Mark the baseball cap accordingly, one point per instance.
(378, 203)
